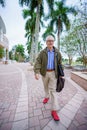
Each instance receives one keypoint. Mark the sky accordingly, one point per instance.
(14, 22)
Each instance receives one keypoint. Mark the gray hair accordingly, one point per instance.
(50, 37)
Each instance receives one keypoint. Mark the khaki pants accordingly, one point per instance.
(49, 82)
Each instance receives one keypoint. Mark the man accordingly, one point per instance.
(46, 65)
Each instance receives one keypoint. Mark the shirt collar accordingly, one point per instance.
(49, 50)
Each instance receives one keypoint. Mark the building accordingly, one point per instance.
(4, 43)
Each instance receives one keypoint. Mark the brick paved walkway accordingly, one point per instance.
(21, 106)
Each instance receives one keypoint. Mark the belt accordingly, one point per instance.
(50, 70)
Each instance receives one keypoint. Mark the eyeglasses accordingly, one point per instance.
(50, 40)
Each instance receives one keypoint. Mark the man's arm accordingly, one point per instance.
(61, 67)
(37, 66)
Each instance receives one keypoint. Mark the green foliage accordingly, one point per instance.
(59, 18)
(39, 46)
(31, 14)
(24, 2)
(28, 46)
(47, 32)
(60, 12)
(1, 52)
(20, 50)
(17, 53)
(29, 27)
(79, 59)
(10, 55)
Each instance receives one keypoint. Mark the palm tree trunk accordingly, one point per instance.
(58, 41)
(59, 27)
(32, 51)
(37, 30)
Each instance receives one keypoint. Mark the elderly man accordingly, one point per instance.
(46, 65)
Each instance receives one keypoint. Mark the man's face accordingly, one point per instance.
(50, 43)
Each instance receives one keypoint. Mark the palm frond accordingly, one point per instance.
(24, 2)
(48, 31)
(2, 2)
(26, 13)
(72, 10)
(50, 4)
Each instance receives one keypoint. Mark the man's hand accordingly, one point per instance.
(62, 77)
(36, 76)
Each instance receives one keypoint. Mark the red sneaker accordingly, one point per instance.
(55, 116)
(45, 100)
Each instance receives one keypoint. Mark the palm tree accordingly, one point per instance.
(59, 17)
(30, 30)
(40, 12)
(36, 6)
(31, 25)
(39, 5)
(19, 54)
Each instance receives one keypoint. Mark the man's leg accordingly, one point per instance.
(46, 89)
(53, 94)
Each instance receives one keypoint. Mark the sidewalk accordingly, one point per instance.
(21, 106)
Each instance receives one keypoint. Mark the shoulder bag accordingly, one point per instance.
(60, 80)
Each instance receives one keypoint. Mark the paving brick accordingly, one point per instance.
(47, 113)
(43, 108)
(11, 118)
(67, 113)
(44, 122)
(20, 125)
(84, 110)
(32, 104)
(64, 120)
(34, 121)
(33, 128)
(39, 105)
(37, 112)
(72, 127)
(1, 122)
(24, 103)
(37, 128)
(56, 125)
(47, 128)
(83, 127)
(1, 103)
(5, 115)
(31, 115)
(81, 120)
(74, 104)
(6, 126)
(6, 105)
(23, 99)
(1, 110)
(30, 110)
(48, 106)
(41, 117)
(75, 122)
(12, 107)
(21, 116)
(22, 108)
(23, 95)
(71, 108)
